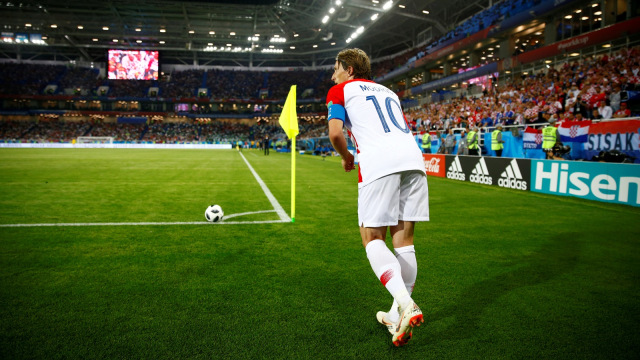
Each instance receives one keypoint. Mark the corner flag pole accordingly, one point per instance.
(289, 122)
(293, 178)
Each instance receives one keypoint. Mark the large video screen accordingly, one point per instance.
(133, 65)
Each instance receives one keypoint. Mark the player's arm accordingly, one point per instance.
(340, 144)
(336, 117)
(337, 137)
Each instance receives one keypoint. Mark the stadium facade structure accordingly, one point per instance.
(545, 33)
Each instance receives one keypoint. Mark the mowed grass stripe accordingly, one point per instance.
(502, 273)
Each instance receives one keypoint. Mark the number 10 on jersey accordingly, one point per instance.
(388, 104)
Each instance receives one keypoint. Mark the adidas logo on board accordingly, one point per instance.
(511, 177)
(480, 174)
(455, 170)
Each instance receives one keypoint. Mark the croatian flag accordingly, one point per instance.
(532, 138)
(574, 131)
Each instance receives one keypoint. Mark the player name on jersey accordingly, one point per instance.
(378, 88)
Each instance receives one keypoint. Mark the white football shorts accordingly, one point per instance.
(399, 196)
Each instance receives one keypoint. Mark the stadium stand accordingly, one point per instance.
(524, 100)
(58, 103)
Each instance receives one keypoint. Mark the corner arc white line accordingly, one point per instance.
(274, 202)
(247, 213)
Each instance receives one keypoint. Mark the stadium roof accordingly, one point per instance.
(231, 33)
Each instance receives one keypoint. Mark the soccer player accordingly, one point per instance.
(392, 181)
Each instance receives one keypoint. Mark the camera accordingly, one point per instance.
(560, 150)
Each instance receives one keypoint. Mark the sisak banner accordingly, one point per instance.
(621, 135)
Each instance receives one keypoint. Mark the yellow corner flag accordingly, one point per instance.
(289, 122)
(289, 118)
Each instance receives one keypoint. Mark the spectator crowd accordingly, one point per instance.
(33, 79)
(213, 132)
(594, 88)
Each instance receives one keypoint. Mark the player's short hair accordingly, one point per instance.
(358, 60)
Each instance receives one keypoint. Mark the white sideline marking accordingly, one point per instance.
(147, 223)
(276, 205)
(223, 222)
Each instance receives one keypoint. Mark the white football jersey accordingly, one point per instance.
(373, 116)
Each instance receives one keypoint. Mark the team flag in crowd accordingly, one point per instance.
(289, 122)
(574, 131)
(532, 138)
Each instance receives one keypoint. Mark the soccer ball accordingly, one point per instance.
(213, 213)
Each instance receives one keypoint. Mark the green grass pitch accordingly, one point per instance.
(503, 274)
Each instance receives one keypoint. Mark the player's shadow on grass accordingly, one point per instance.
(556, 257)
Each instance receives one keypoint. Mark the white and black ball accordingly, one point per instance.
(214, 213)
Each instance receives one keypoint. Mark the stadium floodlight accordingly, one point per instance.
(325, 19)
(387, 5)
(360, 30)
(374, 16)
(349, 40)
(332, 10)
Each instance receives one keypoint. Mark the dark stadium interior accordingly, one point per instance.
(225, 60)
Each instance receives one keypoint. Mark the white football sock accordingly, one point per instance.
(406, 256)
(388, 270)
